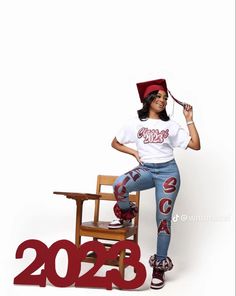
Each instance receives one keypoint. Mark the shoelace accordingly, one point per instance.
(157, 273)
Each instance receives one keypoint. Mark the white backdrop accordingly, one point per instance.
(68, 83)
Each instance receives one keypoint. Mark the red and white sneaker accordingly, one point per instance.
(119, 223)
(159, 269)
(158, 278)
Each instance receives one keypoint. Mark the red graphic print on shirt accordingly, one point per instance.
(152, 135)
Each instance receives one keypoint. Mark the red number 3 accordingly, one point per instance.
(47, 256)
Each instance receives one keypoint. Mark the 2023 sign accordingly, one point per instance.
(47, 256)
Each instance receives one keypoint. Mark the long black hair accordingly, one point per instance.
(144, 112)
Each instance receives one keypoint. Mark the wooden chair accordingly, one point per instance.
(99, 229)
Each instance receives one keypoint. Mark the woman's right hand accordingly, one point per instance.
(136, 155)
(120, 147)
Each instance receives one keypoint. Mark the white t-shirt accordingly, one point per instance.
(154, 138)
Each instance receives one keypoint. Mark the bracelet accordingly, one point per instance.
(189, 122)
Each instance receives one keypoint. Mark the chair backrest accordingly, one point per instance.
(109, 181)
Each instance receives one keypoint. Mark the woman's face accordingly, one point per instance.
(160, 102)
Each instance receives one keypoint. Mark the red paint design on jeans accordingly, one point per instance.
(163, 226)
(162, 203)
(152, 135)
(120, 189)
(135, 173)
(170, 185)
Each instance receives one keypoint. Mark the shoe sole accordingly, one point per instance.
(115, 227)
(118, 226)
(157, 287)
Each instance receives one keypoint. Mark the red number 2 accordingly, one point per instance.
(89, 278)
(25, 277)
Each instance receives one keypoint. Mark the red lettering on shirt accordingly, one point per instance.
(152, 135)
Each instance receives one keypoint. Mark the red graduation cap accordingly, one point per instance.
(145, 88)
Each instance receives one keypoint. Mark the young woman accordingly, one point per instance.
(155, 136)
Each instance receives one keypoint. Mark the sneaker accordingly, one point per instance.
(125, 214)
(158, 278)
(119, 223)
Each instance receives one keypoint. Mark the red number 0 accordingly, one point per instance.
(72, 270)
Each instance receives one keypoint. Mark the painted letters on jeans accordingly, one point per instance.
(162, 205)
(170, 185)
(163, 226)
(135, 173)
(120, 189)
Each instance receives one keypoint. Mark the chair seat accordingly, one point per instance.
(92, 258)
(100, 230)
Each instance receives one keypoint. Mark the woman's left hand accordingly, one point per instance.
(188, 112)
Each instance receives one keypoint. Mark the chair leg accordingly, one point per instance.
(121, 264)
(136, 238)
(79, 205)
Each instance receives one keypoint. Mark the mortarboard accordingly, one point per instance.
(145, 88)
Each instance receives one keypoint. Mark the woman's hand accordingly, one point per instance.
(136, 155)
(120, 147)
(188, 112)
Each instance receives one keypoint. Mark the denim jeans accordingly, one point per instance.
(166, 180)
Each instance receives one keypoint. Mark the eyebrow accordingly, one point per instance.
(165, 96)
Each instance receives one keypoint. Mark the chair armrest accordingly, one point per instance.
(79, 196)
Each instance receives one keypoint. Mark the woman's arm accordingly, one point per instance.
(194, 143)
(118, 146)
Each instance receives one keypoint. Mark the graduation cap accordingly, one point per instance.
(145, 88)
